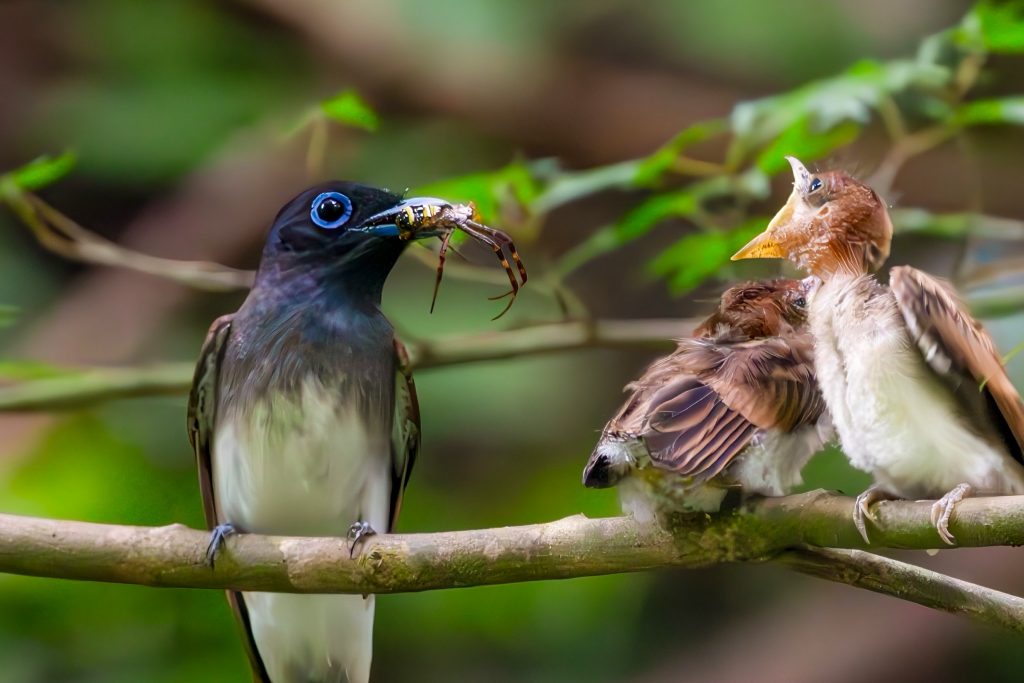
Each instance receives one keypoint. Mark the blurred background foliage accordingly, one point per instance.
(629, 148)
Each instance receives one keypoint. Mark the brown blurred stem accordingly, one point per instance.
(909, 582)
(766, 529)
(64, 237)
(86, 386)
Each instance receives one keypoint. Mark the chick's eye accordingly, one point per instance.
(800, 302)
(814, 185)
(330, 210)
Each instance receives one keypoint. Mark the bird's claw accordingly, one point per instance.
(217, 538)
(356, 533)
(862, 509)
(944, 508)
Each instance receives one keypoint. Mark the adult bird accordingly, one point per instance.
(736, 405)
(304, 420)
(915, 385)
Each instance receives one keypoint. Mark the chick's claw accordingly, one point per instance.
(944, 508)
(862, 508)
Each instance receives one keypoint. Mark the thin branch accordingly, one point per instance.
(64, 237)
(173, 556)
(909, 582)
(81, 387)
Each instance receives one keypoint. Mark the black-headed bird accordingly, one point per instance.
(734, 406)
(916, 387)
(304, 419)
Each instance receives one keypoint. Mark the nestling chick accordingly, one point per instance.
(914, 384)
(736, 405)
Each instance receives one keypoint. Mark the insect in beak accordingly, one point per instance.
(422, 217)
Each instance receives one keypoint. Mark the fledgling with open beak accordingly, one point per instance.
(916, 387)
(735, 406)
(304, 419)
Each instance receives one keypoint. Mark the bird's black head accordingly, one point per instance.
(336, 235)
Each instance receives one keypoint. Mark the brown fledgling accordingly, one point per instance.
(736, 405)
(915, 386)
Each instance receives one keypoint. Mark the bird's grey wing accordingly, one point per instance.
(405, 439)
(202, 406)
(959, 350)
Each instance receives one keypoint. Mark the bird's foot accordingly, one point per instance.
(943, 509)
(356, 533)
(862, 508)
(217, 538)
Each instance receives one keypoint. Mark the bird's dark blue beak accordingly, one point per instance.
(407, 220)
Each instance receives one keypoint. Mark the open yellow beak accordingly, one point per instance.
(767, 244)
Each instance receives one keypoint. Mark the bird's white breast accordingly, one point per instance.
(771, 465)
(894, 417)
(308, 464)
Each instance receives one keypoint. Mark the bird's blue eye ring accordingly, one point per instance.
(815, 185)
(331, 210)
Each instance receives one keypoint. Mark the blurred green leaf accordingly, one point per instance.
(7, 314)
(1000, 110)
(23, 370)
(822, 105)
(658, 164)
(568, 186)
(640, 220)
(997, 26)
(348, 108)
(698, 256)
(43, 171)
(490, 191)
(801, 141)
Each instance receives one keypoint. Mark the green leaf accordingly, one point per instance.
(42, 171)
(27, 370)
(820, 106)
(998, 26)
(348, 108)
(656, 165)
(490, 190)
(568, 186)
(699, 256)
(7, 314)
(1000, 110)
(640, 220)
(634, 224)
(801, 141)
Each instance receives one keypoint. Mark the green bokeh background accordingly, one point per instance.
(152, 95)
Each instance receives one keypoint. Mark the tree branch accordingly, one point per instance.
(909, 582)
(766, 529)
(80, 387)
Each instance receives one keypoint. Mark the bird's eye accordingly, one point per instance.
(800, 302)
(331, 210)
(814, 185)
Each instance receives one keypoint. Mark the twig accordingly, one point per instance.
(909, 582)
(64, 237)
(91, 385)
(571, 547)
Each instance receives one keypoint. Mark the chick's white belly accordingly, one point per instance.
(771, 465)
(894, 417)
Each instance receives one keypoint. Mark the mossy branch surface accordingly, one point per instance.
(791, 530)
